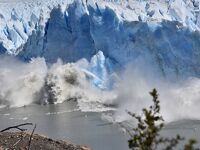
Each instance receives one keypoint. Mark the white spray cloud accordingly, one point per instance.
(20, 82)
(179, 100)
(68, 81)
(25, 83)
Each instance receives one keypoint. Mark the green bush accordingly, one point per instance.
(146, 134)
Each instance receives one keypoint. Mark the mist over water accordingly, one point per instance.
(179, 100)
(36, 82)
(20, 82)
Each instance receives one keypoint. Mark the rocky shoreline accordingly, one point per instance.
(20, 141)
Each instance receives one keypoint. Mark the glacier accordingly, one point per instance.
(85, 48)
(166, 39)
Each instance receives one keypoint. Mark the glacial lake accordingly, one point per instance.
(62, 122)
(65, 122)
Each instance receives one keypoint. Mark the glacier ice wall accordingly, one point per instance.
(168, 47)
(165, 39)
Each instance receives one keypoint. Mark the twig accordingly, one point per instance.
(105, 124)
(126, 129)
(29, 144)
(17, 127)
(19, 139)
(17, 142)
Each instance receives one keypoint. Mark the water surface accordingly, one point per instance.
(64, 121)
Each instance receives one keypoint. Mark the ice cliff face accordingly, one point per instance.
(161, 34)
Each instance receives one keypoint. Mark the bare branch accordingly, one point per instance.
(17, 127)
(29, 144)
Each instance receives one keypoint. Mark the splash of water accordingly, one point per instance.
(26, 83)
(36, 82)
(20, 82)
(179, 100)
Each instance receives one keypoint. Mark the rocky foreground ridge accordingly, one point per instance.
(20, 141)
